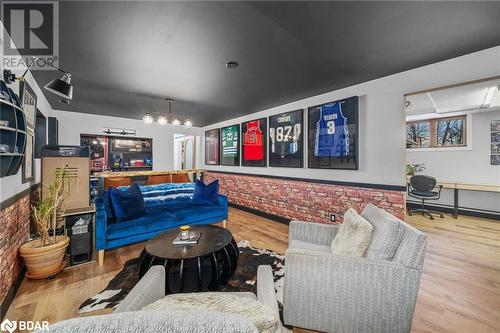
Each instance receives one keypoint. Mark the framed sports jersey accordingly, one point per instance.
(230, 145)
(253, 142)
(286, 143)
(333, 135)
(212, 147)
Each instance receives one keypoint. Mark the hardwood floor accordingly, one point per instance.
(459, 291)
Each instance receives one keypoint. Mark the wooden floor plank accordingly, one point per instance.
(459, 291)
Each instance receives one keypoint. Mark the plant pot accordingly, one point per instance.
(46, 261)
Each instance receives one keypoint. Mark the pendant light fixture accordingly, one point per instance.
(148, 118)
(162, 119)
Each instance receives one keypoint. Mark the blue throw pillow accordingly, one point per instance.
(205, 194)
(128, 204)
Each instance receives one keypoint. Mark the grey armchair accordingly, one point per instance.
(333, 293)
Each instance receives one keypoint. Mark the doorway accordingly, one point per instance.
(184, 152)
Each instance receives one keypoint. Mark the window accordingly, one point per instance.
(436, 133)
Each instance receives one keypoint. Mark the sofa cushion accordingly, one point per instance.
(128, 204)
(167, 196)
(301, 245)
(148, 223)
(353, 236)
(387, 233)
(194, 321)
(197, 213)
(205, 194)
(108, 208)
(260, 315)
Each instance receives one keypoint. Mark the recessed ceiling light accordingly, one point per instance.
(232, 64)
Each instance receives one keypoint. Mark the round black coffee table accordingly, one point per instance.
(189, 268)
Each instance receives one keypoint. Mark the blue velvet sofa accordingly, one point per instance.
(167, 206)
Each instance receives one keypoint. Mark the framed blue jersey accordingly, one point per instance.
(333, 135)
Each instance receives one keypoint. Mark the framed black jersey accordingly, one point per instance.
(286, 142)
(230, 145)
(253, 142)
(333, 135)
(212, 147)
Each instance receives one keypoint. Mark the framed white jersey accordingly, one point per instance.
(286, 131)
(333, 135)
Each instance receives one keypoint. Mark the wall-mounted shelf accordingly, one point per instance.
(12, 137)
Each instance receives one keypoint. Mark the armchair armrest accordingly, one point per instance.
(266, 293)
(311, 232)
(148, 290)
(101, 220)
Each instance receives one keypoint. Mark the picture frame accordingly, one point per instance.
(286, 139)
(28, 104)
(254, 143)
(28, 169)
(212, 138)
(230, 145)
(333, 135)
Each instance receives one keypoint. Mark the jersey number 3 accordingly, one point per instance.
(330, 127)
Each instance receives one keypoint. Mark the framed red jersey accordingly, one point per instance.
(254, 139)
(212, 147)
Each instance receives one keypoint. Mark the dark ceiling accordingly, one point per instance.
(126, 57)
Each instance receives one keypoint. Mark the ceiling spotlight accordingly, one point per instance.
(188, 123)
(232, 64)
(176, 122)
(162, 120)
(148, 119)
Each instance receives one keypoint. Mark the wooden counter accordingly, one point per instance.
(109, 174)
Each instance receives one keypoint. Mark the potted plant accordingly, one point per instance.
(44, 256)
(412, 169)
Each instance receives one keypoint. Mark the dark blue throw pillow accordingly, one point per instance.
(205, 194)
(128, 204)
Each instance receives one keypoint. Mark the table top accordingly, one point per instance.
(213, 238)
(466, 186)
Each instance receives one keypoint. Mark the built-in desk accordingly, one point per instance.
(457, 186)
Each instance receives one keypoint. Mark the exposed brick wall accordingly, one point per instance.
(14, 231)
(303, 200)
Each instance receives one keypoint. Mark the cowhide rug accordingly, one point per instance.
(242, 280)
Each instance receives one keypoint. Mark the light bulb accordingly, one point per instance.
(162, 120)
(176, 122)
(148, 119)
(188, 123)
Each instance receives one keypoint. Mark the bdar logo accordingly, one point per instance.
(9, 326)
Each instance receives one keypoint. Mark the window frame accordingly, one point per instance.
(433, 123)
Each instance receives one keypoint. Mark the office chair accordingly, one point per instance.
(421, 187)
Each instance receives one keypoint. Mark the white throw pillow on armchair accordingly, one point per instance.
(354, 235)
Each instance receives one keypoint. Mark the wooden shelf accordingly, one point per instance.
(8, 128)
(14, 136)
(2, 101)
(11, 154)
